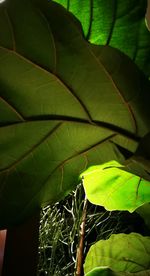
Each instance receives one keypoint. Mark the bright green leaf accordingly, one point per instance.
(121, 253)
(62, 107)
(101, 271)
(104, 271)
(110, 186)
(120, 24)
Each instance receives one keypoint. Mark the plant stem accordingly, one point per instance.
(80, 249)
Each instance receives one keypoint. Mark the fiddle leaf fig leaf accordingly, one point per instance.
(62, 106)
(105, 271)
(121, 253)
(139, 163)
(144, 212)
(110, 186)
(120, 24)
(100, 271)
(144, 149)
(138, 166)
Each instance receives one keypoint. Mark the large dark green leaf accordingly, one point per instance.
(62, 107)
(121, 253)
(120, 24)
(138, 166)
(144, 149)
(144, 212)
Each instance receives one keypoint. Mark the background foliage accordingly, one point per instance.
(60, 231)
(120, 24)
(67, 104)
(57, 90)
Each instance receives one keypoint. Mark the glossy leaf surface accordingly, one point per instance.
(121, 253)
(110, 186)
(62, 107)
(120, 24)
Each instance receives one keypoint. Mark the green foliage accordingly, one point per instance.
(115, 189)
(108, 272)
(144, 212)
(121, 253)
(144, 149)
(138, 165)
(100, 271)
(64, 106)
(120, 24)
(60, 231)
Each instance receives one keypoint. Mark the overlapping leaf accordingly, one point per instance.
(105, 271)
(120, 24)
(120, 253)
(61, 108)
(110, 186)
(144, 212)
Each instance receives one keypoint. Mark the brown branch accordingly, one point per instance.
(80, 249)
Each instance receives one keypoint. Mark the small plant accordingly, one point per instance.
(113, 186)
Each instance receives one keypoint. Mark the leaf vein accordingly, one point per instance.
(32, 149)
(90, 21)
(113, 23)
(52, 38)
(12, 108)
(83, 152)
(11, 29)
(58, 79)
(61, 166)
(120, 95)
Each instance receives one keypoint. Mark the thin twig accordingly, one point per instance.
(80, 249)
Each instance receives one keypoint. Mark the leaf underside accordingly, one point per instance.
(104, 271)
(120, 24)
(122, 253)
(63, 106)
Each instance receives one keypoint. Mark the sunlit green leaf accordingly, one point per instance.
(104, 271)
(63, 108)
(101, 271)
(121, 253)
(120, 24)
(110, 186)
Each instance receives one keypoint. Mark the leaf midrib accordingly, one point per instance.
(99, 64)
(38, 67)
(114, 129)
(12, 166)
(11, 107)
